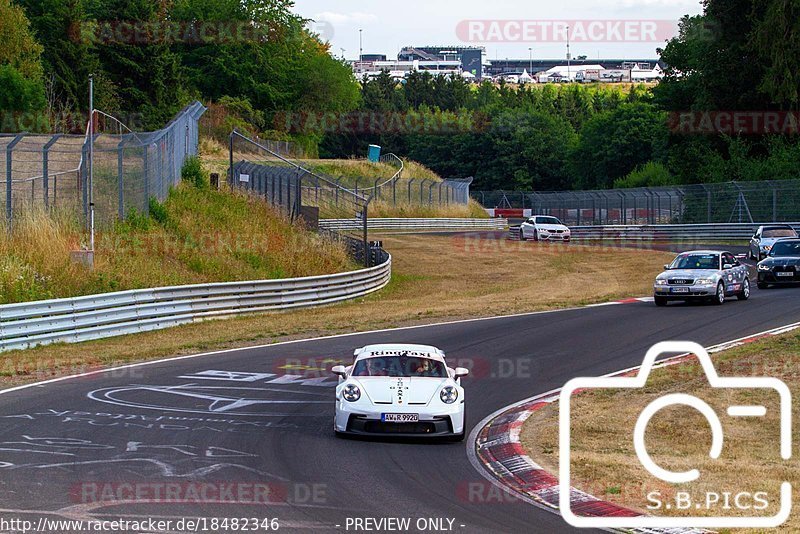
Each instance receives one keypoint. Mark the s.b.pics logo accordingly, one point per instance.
(697, 456)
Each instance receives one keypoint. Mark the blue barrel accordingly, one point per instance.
(374, 154)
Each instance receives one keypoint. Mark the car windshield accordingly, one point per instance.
(547, 220)
(400, 366)
(778, 232)
(696, 261)
(786, 248)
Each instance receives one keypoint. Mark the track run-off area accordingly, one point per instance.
(248, 432)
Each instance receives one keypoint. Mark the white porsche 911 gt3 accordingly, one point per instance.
(400, 390)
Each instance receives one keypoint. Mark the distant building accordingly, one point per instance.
(373, 57)
(471, 58)
(566, 72)
(399, 70)
(497, 67)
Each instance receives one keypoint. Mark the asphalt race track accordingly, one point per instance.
(235, 418)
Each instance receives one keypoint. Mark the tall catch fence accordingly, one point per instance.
(46, 172)
(725, 202)
(300, 192)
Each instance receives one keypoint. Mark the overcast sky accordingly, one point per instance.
(390, 25)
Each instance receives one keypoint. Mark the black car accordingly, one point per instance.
(782, 265)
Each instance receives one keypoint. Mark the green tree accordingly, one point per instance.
(614, 143)
(21, 84)
(67, 58)
(776, 40)
(146, 73)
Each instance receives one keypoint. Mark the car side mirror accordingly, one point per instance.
(339, 370)
(756, 238)
(666, 266)
(727, 266)
(461, 372)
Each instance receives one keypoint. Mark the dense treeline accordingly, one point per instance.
(151, 57)
(740, 55)
(259, 69)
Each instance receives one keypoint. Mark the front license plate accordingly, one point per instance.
(400, 417)
(680, 289)
(785, 274)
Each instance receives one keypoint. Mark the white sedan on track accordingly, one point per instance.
(544, 228)
(400, 390)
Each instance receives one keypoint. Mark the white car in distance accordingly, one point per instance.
(544, 228)
(400, 390)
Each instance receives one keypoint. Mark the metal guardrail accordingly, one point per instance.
(90, 317)
(683, 232)
(437, 224)
(664, 232)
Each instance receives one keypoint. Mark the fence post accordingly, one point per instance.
(230, 159)
(411, 181)
(85, 182)
(280, 190)
(421, 190)
(45, 170)
(394, 192)
(299, 196)
(774, 203)
(375, 188)
(146, 180)
(9, 196)
(120, 180)
(356, 185)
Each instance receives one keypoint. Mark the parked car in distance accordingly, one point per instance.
(702, 275)
(766, 236)
(544, 228)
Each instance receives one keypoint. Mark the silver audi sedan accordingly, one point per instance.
(703, 274)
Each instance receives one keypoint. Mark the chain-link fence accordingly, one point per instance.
(45, 172)
(299, 192)
(404, 191)
(740, 202)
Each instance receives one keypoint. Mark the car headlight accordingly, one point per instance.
(704, 282)
(764, 267)
(449, 394)
(351, 393)
(661, 282)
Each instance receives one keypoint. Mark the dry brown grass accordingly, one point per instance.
(603, 458)
(215, 158)
(382, 208)
(203, 236)
(435, 278)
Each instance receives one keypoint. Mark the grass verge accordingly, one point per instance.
(195, 236)
(361, 172)
(604, 461)
(435, 278)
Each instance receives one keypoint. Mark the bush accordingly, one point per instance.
(194, 173)
(158, 212)
(651, 174)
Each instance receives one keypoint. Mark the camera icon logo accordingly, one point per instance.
(644, 458)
